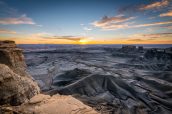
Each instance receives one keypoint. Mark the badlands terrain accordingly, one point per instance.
(111, 79)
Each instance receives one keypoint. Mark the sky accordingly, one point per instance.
(86, 21)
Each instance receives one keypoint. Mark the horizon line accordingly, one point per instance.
(90, 44)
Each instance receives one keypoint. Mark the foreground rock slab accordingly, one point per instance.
(57, 104)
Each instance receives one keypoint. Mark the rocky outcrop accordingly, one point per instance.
(16, 86)
(15, 89)
(7, 44)
(13, 57)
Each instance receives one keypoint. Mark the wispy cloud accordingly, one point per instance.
(71, 38)
(135, 40)
(159, 38)
(112, 20)
(4, 31)
(155, 5)
(13, 16)
(141, 8)
(87, 28)
(111, 23)
(21, 20)
(167, 14)
(167, 27)
(154, 36)
(158, 35)
(149, 41)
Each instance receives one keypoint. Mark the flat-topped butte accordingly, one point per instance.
(7, 44)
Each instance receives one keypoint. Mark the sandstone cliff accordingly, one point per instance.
(16, 86)
(13, 57)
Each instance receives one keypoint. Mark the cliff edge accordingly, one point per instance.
(16, 86)
(13, 57)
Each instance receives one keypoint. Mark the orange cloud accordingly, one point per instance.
(4, 31)
(168, 14)
(155, 35)
(136, 40)
(158, 35)
(154, 5)
(71, 38)
(21, 20)
(156, 38)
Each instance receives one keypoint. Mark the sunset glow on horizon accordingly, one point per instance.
(86, 21)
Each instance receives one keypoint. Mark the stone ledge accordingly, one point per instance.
(7, 44)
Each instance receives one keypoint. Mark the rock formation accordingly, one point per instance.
(7, 44)
(127, 48)
(15, 89)
(16, 85)
(12, 56)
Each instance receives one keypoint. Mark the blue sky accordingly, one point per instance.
(86, 21)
